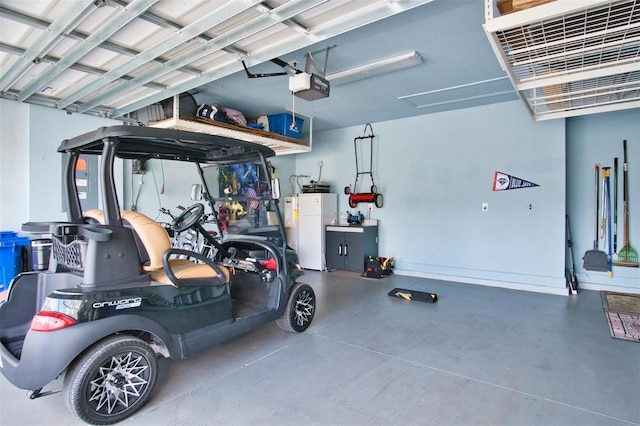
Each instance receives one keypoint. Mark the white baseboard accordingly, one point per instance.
(488, 283)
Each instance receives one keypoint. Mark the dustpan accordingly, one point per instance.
(596, 260)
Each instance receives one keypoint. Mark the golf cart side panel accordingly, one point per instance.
(203, 339)
(63, 346)
(176, 310)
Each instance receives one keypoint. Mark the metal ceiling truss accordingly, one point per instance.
(113, 57)
(571, 57)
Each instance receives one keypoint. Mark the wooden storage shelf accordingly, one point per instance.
(280, 144)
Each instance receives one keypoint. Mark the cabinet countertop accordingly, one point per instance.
(350, 228)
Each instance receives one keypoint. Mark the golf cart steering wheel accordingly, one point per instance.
(188, 218)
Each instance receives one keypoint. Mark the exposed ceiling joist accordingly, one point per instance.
(333, 25)
(146, 51)
(76, 35)
(43, 44)
(125, 16)
(216, 17)
(250, 28)
(78, 67)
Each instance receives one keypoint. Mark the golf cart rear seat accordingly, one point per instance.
(155, 249)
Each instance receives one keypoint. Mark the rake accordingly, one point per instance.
(627, 256)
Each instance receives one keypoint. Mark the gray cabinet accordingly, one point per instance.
(348, 246)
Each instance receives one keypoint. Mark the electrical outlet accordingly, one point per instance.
(485, 207)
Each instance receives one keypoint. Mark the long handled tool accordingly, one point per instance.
(604, 206)
(615, 205)
(570, 268)
(627, 255)
(606, 209)
(596, 260)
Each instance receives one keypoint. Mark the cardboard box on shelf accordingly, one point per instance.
(510, 6)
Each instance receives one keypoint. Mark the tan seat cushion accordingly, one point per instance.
(153, 236)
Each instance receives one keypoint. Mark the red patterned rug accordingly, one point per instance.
(623, 313)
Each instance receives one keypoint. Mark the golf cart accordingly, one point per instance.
(117, 295)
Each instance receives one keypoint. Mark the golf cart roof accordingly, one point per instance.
(144, 143)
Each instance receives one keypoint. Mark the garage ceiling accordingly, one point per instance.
(112, 57)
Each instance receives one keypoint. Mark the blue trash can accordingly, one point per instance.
(11, 257)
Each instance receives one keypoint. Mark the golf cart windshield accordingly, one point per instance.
(242, 196)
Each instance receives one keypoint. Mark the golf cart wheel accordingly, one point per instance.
(300, 309)
(352, 203)
(111, 381)
(347, 190)
(374, 189)
(378, 200)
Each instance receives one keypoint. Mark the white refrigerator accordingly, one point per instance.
(315, 211)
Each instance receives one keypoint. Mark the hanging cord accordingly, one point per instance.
(320, 163)
(155, 183)
(293, 111)
(163, 178)
(134, 204)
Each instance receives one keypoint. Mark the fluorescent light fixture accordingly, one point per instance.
(383, 66)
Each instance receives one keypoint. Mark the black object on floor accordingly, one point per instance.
(420, 296)
(377, 267)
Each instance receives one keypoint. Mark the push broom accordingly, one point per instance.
(627, 255)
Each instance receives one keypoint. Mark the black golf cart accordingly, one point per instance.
(117, 295)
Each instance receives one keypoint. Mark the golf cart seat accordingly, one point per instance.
(154, 242)
(162, 269)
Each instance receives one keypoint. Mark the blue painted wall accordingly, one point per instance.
(436, 170)
(31, 186)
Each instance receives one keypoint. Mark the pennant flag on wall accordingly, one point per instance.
(503, 181)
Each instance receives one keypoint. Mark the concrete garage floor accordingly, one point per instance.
(479, 356)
